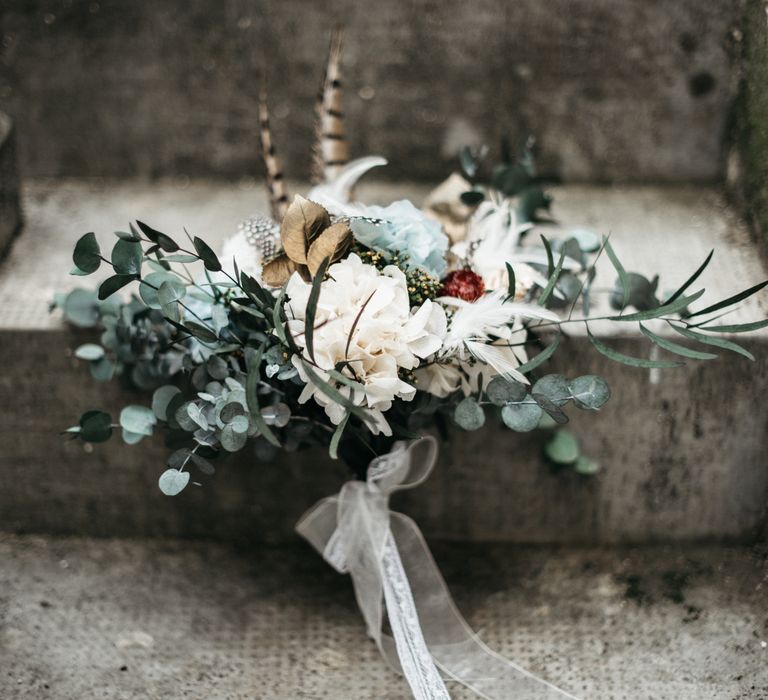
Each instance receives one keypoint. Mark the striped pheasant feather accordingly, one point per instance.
(278, 195)
(331, 152)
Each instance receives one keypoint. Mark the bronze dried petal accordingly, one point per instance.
(332, 243)
(302, 222)
(279, 271)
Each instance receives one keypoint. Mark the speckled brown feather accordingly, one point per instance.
(278, 195)
(331, 152)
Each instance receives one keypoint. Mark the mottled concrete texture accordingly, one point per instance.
(625, 90)
(109, 620)
(10, 204)
(749, 168)
(683, 453)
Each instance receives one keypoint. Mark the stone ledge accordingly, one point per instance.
(84, 619)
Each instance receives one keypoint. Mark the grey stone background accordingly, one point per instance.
(615, 90)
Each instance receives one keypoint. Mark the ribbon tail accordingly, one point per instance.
(415, 659)
(454, 646)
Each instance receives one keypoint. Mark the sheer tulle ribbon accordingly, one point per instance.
(393, 570)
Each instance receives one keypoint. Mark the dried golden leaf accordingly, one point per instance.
(332, 243)
(302, 222)
(278, 272)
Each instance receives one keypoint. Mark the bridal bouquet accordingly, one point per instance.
(354, 327)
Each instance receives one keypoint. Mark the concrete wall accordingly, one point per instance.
(615, 90)
(748, 169)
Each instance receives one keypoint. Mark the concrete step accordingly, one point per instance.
(620, 90)
(119, 619)
(683, 453)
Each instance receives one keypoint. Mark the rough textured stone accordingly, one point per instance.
(81, 620)
(749, 167)
(615, 91)
(10, 207)
(683, 453)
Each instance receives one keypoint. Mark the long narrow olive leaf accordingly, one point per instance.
(311, 312)
(334, 394)
(716, 342)
(203, 334)
(674, 307)
(511, 282)
(736, 328)
(627, 360)
(209, 258)
(552, 280)
(355, 322)
(333, 448)
(277, 317)
(676, 348)
(735, 299)
(542, 357)
(623, 277)
(290, 340)
(164, 241)
(236, 270)
(252, 397)
(691, 279)
(550, 257)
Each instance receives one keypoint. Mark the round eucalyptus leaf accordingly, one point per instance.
(161, 398)
(95, 426)
(90, 352)
(202, 464)
(231, 410)
(148, 290)
(127, 257)
(137, 419)
(240, 424)
(501, 391)
(231, 440)
(170, 292)
(132, 438)
(562, 447)
(196, 414)
(521, 417)
(217, 367)
(277, 414)
(553, 387)
(588, 240)
(179, 458)
(173, 482)
(103, 370)
(81, 309)
(584, 465)
(589, 392)
(171, 410)
(469, 414)
(87, 254)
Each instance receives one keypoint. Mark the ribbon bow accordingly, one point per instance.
(392, 568)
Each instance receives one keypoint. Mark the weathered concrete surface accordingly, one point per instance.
(683, 453)
(615, 91)
(748, 171)
(86, 619)
(10, 206)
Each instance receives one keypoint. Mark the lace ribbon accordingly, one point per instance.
(392, 568)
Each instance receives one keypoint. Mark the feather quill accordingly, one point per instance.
(278, 194)
(331, 151)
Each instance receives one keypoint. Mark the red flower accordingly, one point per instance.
(463, 284)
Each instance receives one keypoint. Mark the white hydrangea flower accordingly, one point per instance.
(364, 319)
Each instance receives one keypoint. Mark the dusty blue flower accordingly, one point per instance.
(401, 227)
